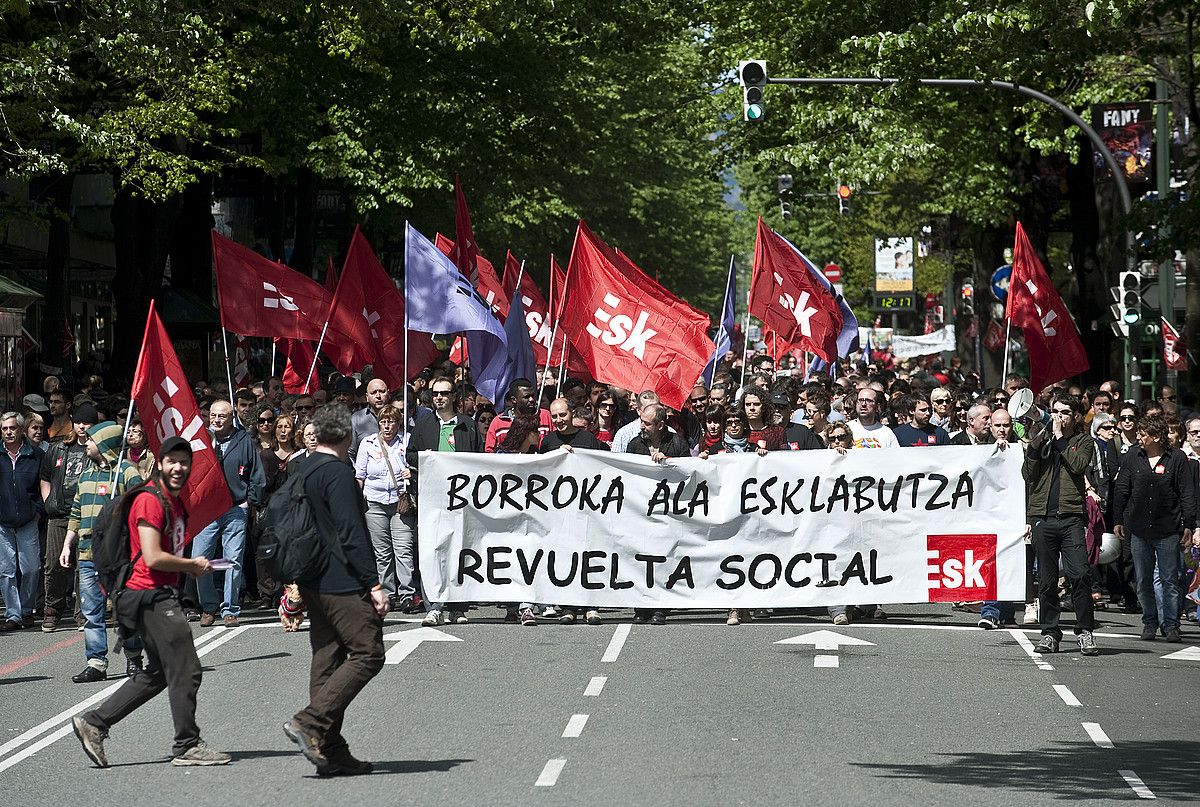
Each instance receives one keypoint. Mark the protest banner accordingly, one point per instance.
(791, 529)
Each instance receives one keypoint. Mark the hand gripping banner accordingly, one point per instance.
(792, 529)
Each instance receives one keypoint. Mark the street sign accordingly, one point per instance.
(1000, 281)
(833, 272)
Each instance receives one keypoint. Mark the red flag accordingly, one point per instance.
(786, 297)
(241, 362)
(166, 405)
(365, 291)
(1034, 306)
(540, 322)
(466, 257)
(331, 276)
(486, 282)
(626, 335)
(300, 355)
(1174, 348)
(259, 297)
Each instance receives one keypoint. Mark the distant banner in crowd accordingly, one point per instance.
(813, 528)
(940, 341)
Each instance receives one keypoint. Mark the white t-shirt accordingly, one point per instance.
(877, 436)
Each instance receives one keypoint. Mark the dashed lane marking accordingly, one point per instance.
(595, 686)
(575, 726)
(826, 661)
(616, 643)
(1097, 734)
(1027, 646)
(1067, 696)
(549, 775)
(1137, 785)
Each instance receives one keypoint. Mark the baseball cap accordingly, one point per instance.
(174, 444)
(779, 399)
(35, 403)
(86, 413)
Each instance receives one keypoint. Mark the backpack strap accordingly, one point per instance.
(127, 506)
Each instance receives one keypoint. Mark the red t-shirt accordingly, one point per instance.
(147, 509)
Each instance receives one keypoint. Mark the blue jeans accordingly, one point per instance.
(1164, 551)
(95, 636)
(19, 549)
(1002, 612)
(230, 532)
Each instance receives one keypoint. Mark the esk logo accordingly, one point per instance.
(274, 298)
(961, 567)
(622, 331)
(799, 307)
(170, 420)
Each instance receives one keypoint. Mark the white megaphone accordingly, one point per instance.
(1110, 548)
(1021, 404)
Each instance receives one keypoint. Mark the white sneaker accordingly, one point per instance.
(1031, 614)
(432, 619)
(459, 617)
(841, 619)
(549, 611)
(593, 617)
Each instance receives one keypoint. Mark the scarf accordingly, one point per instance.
(735, 446)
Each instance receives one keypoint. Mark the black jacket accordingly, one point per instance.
(1150, 504)
(802, 438)
(62, 467)
(243, 467)
(21, 487)
(675, 446)
(338, 509)
(427, 434)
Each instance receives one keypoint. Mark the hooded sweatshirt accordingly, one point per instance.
(100, 482)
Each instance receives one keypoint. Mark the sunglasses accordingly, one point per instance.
(1061, 412)
(847, 437)
(303, 408)
(1127, 417)
(437, 393)
(697, 400)
(265, 421)
(733, 422)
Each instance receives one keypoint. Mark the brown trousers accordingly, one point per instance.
(347, 651)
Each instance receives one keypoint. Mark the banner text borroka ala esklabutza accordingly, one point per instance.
(789, 529)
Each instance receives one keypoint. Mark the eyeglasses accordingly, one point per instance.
(733, 422)
(865, 400)
(1193, 432)
(1061, 412)
(1000, 401)
(697, 400)
(1127, 417)
(846, 437)
(439, 393)
(961, 408)
(265, 421)
(940, 401)
(1113, 426)
(303, 408)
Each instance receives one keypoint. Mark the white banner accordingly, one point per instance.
(940, 341)
(812, 528)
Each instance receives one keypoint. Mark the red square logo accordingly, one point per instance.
(962, 568)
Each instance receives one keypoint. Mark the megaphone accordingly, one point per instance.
(1021, 404)
(1110, 548)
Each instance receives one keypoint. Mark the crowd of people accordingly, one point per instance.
(1111, 495)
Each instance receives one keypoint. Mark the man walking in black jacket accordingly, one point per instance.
(345, 602)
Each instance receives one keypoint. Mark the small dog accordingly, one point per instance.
(291, 608)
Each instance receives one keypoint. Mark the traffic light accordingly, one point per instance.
(783, 186)
(844, 192)
(967, 295)
(1130, 304)
(753, 77)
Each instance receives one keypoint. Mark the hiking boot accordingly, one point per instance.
(343, 763)
(432, 619)
(92, 740)
(50, 620)
(231, 621)
(987, 623)
(1048, 644)
(90, 675)
(207, 620)
(527, 617)
(1172, 635)
(593, 617)
(308, 744)
(459, 617)
(1087, 643)
(201, 754)
(1149, 633)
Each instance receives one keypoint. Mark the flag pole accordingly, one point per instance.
(316, 355)
(1007, 334)
(228, 371)
(554, 332)
(272, 359)
(746, 331)
(404, 406)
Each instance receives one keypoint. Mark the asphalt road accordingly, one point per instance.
(930, 711)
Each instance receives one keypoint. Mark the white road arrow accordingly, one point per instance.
(406, 641)
(825, 640)
(1186, 654)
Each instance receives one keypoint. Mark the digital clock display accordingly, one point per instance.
(882, 301)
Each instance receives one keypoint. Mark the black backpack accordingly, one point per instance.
(291, 543)
(111, 539)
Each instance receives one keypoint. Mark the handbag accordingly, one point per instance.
(404, 504)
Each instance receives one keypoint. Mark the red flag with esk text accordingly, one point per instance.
(167, 408)
(1034, 305)
(786, 297)
(258, 297)
(367, 292)
(627, 336)
(1174, 349)
(576, 366)
(541, 324)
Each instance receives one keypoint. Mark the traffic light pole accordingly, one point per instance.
(1133, 378)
